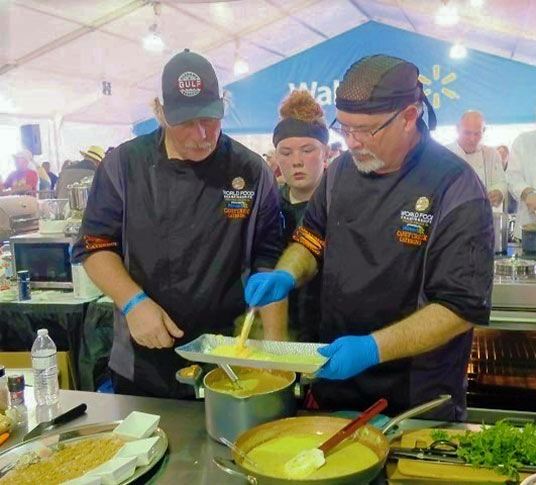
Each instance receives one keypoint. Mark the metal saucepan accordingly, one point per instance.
(368, 435)
(228, 415)
(528, 238)
(79, 193)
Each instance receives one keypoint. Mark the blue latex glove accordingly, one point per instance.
(348, 356)
(267, 287)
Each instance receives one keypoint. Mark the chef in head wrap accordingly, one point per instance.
(401, 230)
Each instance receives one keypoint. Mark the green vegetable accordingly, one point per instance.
(439, 435)
(502, 447)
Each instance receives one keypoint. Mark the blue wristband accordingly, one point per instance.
(130, 304)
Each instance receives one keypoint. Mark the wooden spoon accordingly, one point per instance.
(307, 461)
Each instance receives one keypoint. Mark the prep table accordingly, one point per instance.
(189, 457)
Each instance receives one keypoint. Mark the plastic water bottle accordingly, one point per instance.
(45, 367)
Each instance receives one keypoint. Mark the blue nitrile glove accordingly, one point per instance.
(348, 356)
(268, 286)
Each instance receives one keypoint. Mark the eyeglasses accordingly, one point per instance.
(357, 134)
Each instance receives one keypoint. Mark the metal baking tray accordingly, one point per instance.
(198, 351)
(9, 457)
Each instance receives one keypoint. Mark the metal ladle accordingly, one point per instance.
(231, 374)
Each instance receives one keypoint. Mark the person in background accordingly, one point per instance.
(505, 154)
(51, 175)
(402, 232)
(269, 158)
(484, 160)
(521, 175)
(23, 180)
(44, 181)
(335, 149)
(301, 151)
(76, 171)
(175, 219)
(510, 203)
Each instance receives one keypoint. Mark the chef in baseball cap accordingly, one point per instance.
(175, 219)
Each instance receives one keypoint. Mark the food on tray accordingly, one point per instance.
(51, 466)
(346, 458)
(502, 447)
(254, 354)
(250, 382)
(5, 423)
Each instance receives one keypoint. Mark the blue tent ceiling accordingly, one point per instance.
(504, 90)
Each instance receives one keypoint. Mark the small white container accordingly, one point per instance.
(143, 450)
(137, 425)
(530, 480)
(85, 480)
(115, 471)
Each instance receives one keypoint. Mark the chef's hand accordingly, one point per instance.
(268, 286)
(349, 356)
(495, 197)
(530, 200)
(151, 326)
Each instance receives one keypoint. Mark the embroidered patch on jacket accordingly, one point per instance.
(98, 242)
(238, 202)
(309, 240)
(416, 223)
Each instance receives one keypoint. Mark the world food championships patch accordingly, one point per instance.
(416, 221)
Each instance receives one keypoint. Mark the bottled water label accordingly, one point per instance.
(45, 362)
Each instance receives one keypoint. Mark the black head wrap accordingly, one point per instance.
(381, 84)
(293, 127)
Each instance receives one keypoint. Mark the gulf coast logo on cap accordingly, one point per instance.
(189, 84)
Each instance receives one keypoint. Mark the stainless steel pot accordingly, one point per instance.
(79, 193)
(376, 440)
(528, 238)
(228, 415)
(500, 227)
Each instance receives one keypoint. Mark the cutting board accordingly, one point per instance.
(446, 473)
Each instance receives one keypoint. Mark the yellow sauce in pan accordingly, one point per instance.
(252, 381)
(254, 354)
(346, 458)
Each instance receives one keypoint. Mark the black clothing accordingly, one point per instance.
(187, 232)
(393, 243)
(304, 302)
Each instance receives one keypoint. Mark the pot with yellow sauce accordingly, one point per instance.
(264, 395)
(267, 448)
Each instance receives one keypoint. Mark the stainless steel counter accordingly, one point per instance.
(189, 458)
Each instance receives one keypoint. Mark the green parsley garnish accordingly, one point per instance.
(502, 447)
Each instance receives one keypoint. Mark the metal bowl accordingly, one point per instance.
(514, 267)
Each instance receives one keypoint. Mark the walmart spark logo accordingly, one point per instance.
(437, 86)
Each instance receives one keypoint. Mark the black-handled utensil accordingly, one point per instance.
(57, 421)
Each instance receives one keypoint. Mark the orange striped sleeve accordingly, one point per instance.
(312, 242)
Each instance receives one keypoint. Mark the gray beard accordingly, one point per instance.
(372, 165)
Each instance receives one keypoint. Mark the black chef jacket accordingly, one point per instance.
(393, 243)
(187, 233)
(304, 302)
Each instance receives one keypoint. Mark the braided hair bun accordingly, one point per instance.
(300, 105)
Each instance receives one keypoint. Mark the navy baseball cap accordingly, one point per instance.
(190, 89)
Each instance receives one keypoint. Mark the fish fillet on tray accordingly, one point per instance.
(264, 354)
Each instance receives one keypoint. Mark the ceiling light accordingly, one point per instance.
(447, 15)
(241, 66)
(458, 51)
(476, 3)
(7, 105)
(153, 42)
